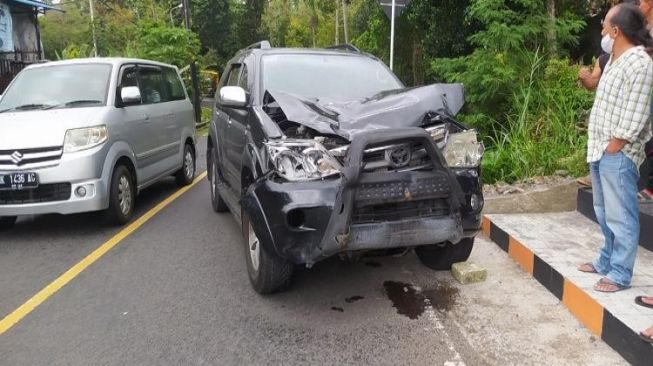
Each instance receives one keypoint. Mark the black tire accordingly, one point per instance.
(186, 174)
(7, 222)
(218, 204)
(122, 189)
(272, 274)
(440, 257)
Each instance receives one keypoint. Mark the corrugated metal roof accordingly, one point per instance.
(35, 4)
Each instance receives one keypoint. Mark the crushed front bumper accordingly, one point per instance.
(306, 222)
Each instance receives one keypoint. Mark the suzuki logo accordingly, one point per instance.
(16, 157)
(398, 157)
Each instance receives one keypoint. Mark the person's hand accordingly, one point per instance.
(584, 73)
(615, 146)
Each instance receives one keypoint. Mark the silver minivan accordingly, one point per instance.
(89, 134)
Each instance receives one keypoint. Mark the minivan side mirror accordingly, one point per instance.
(130, 95)
(233, 97)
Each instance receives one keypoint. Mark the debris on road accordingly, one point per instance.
(468, 272)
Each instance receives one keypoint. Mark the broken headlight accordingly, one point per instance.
(463, 150)
(301, 160)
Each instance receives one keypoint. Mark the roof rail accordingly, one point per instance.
(344, 47)
(264, 45)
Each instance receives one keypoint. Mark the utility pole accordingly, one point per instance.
(337, 24)
(90, 6)
(193, 69)
(392, 35)
(344, 19)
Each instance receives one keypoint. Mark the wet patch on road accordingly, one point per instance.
(353, 299)
(412, 301)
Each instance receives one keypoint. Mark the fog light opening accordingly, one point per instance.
(80, 192)
(296, 218)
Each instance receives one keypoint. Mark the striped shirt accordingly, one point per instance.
(622, 106)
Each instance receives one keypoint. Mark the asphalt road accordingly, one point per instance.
(175, 292)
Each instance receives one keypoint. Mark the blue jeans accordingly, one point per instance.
(614, 187)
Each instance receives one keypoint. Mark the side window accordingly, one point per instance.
(242, 82)
(129, 78)
(233, 75)
(173, 84)
(153, 88)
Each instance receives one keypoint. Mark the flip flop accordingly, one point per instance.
(589, 265)
(645, 338)
(607, 282)
(639, 301)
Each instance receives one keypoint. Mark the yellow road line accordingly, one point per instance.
(36, 300)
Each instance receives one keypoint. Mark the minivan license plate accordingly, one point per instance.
(18, 181)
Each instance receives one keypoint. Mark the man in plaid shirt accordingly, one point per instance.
(618, 129)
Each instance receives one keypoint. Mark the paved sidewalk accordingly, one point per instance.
(550, 246)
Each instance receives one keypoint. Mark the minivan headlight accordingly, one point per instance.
(302, 160)
(85, 138)
(463, 150)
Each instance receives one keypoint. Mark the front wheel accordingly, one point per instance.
(267, 272)
(122, 195)
(186, 174)
(7, 222)
(442, 255)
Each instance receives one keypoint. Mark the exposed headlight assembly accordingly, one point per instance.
(302, 160)
(85, 138)
(463, 150)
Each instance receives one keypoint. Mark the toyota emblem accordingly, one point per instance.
(398, 157)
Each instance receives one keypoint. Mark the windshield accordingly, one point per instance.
(61, 86)
(337, 77)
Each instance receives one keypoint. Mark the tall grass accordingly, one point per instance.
(543, 131)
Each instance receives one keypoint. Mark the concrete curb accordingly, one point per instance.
(586, 309)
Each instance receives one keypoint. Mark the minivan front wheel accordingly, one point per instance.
(122, 196)
(442, 256)
(268, 273)
(186, 174)
(7, 222)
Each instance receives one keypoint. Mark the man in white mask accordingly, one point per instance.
(618, 129)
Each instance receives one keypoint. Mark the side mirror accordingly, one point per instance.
(130, 95)
(233, 97)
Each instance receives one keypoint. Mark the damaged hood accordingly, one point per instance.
(392, 109)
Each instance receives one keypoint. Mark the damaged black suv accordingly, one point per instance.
(318, 152)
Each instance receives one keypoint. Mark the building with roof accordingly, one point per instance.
(20, 37)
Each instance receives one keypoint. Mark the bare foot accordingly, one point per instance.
(647, 335)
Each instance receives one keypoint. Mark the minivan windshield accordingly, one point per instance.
(58, 86)
(338, 77)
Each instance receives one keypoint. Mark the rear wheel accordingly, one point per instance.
(267, 272)
(441, 256)
(122, 195)
(186, 174)
(7, 222)
(218, 204)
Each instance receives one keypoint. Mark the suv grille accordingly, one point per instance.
(400, 210)
(409, 156)
(43, 193)
(30, 158)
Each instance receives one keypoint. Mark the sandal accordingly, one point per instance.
(646, 338)
(639, 300)
(587, 268)
(607, 285)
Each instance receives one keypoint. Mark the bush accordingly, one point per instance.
(543, 132)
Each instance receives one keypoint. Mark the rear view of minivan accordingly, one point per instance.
(89, 134)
